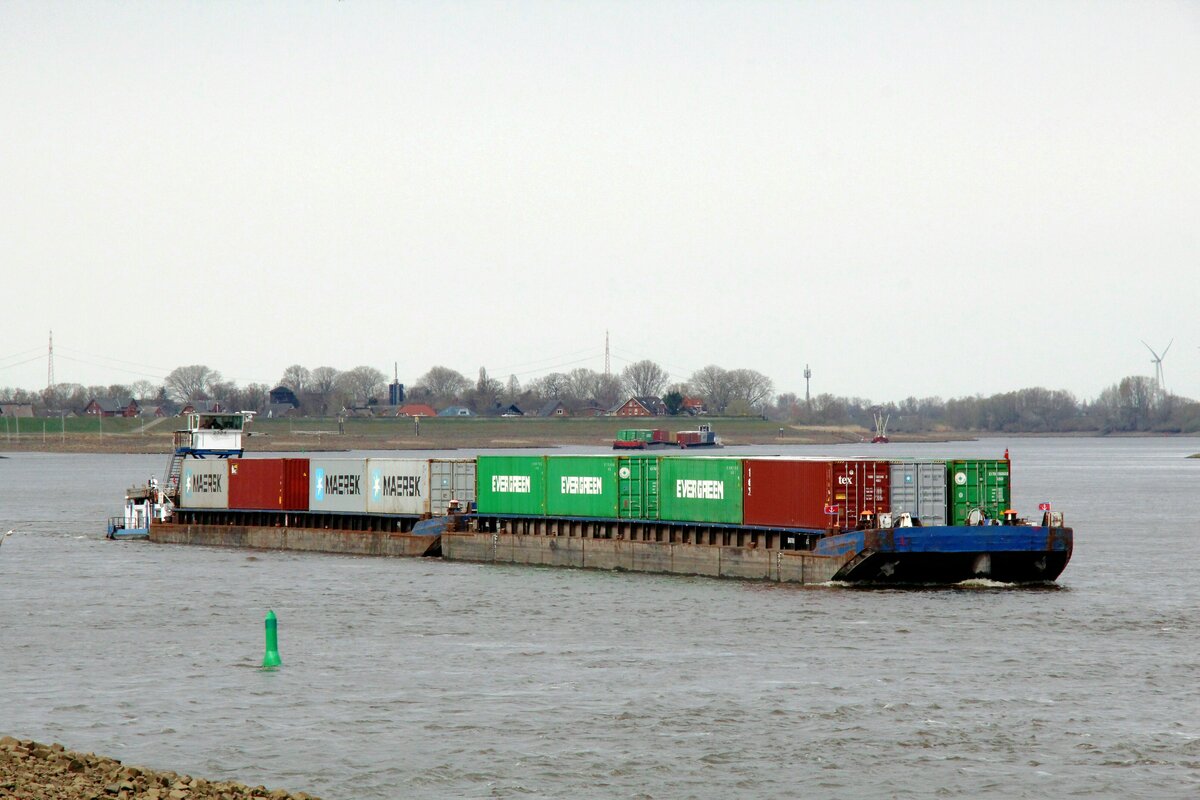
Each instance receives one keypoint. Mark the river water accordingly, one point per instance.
(424, 679)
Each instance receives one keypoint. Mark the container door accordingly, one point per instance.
(931, 493)
(637, 486)
(979, 484)
(441, 486)
(905, 489)
(464, 483)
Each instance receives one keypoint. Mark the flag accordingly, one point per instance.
(1043, 506)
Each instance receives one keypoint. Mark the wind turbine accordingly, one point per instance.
(1157, 362)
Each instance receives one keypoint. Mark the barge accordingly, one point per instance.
(802, 520)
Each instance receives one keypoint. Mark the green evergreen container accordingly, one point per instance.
(978, 484)
(637, 487)
(511, 485)
(701, 489)
(581, 486)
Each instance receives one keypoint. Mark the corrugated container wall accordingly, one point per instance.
(581, 486)
(919, 488)
(451, 479)
(637, 487)
(398, 486)
(700, 490)
(337, 485)
(204, 483)
(981, 484)
(857, 486)
(784, 493)
(511, 485)
(268, 484)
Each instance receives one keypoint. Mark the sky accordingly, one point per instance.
(912, 198)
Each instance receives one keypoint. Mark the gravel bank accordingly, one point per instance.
(33, 771)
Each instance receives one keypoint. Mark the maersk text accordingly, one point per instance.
(204, 484)
(343, 484)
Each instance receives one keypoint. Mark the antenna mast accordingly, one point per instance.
(50, 364)
(607, 363)
(807, 375)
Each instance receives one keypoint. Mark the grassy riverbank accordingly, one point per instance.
(115, 435)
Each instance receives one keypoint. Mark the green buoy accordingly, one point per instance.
(271, 658)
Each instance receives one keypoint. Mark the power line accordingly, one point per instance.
(544, 359)
(111, 358)
(38, 357)
(157, 377)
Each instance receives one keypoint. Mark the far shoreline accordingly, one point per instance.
(431, 434)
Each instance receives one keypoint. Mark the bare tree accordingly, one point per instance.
(226, 393)
(296, 378)
(582, 383)
(191, 382)
(712, 383)
(751, 387)
(608, 390)
(487, 391)
(362, 383)
(513, 390)
(644, 378)
(443, 383)
(254, 397)
(550, 387)
(143, 390)
(322, 385)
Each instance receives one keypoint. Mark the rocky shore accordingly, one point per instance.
(33, 771)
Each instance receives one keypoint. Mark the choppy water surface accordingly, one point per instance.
(422, 679)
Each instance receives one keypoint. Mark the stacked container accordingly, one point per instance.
(919, 488)
(981, 484)
(581, 486)
(397, 486)
(700, 490)
(787, 493)
(451, 479)
(817, 494)
(204, 483)
(511, 485)
(637, 487)
(268, 484)
(337, 485)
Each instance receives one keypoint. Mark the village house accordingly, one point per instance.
(416, 410)
(16, 409)
(641, 407)
(112, 408)
(554, 408)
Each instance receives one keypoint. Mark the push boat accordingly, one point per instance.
(864, 521)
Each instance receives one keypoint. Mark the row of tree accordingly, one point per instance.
(1132, 404)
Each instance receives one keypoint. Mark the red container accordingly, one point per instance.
(783, 493)
(660, 436)
(268, 484)
(684, 438)
(786, 494)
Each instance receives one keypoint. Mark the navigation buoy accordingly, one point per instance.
(271, 657)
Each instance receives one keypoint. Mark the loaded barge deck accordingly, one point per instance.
(802, 520)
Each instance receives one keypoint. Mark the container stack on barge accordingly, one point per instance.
(802, 520)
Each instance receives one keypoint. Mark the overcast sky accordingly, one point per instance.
(913, 198)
